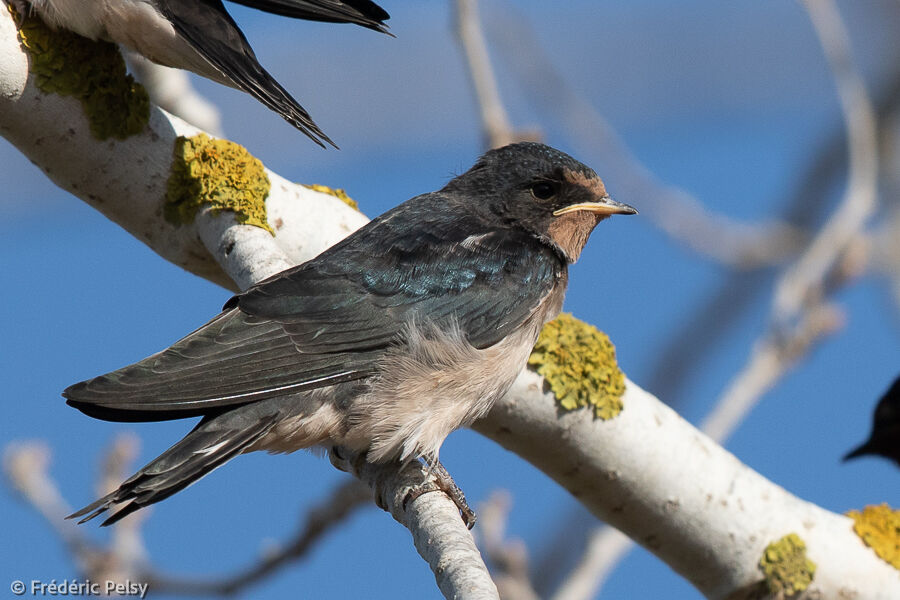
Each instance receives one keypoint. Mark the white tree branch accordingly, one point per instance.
(126, 179)
(171, 90)
(666, 485)
(438, 531)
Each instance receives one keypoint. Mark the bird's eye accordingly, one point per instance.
(543, 190)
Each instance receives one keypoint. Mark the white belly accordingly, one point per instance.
(135, 24)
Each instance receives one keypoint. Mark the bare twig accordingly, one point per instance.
(26, 467)
(673, 210)
(606, 547)
(697, 334)
(800, 314)
(498, 130)
(508, 558)
(331, 512)
(821, 268)
(803, 282)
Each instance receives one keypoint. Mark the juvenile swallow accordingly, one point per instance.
(385, 343)
(200, 36)
(885, 437)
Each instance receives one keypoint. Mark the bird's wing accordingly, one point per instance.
(211, 31)
(330, 321)
(361, 12)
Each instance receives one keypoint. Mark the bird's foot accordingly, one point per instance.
(353, 462)
(446, 484)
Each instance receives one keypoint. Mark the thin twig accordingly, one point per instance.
(26, 465)
(673, 210)
(498, 130)
(801, 291)
(804, 280)
(800, 314)
(332, 511)
(605, 548)
(508, 559)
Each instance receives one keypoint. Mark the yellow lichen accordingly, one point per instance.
(218, 173)
(67, 64)
(879, 528)
(578, 362)
(787, 569)
(338, 193)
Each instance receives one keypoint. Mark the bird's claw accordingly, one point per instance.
(444, 482)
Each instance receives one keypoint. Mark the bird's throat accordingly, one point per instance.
(570, 232)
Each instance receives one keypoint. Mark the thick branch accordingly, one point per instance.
(126, 179)
(681, 496)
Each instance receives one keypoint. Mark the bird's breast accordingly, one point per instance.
(438, 382)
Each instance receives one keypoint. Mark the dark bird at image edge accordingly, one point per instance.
(385, 343)
(200, 36)
(885, 437)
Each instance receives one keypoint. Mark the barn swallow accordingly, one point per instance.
(885, 438)
(200, 36)
(385, 343)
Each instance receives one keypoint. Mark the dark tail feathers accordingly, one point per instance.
(213, 442)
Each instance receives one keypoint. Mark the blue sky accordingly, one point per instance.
(726, 100)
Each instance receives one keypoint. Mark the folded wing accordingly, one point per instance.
(331, 320)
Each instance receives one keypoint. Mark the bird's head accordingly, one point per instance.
(545, 191)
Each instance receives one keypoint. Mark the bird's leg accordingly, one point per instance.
(448, 486)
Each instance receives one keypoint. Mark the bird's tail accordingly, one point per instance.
(213, 442)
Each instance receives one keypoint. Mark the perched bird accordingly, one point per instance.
(200, 36)
(385, 343)
(885, 437)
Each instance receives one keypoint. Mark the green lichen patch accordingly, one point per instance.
(879, 528)
(338, 193)
(578, 362)
(67, 64)
(787, 569)
(218, 173)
